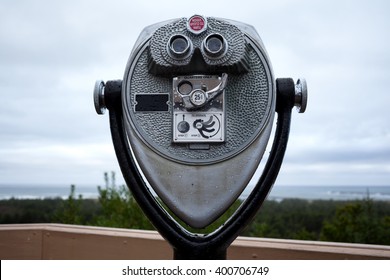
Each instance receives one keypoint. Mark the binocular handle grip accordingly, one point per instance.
(106, 95)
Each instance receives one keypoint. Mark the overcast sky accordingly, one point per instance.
(51, 53)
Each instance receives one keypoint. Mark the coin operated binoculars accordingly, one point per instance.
(190, 123)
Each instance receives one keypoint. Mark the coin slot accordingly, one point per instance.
(185, 87)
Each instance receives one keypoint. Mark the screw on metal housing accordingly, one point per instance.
(301, 95)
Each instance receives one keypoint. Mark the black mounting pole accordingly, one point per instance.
(184, 244)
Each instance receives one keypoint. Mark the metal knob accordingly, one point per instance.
(301, 95)
(98, 97)
(199, 97)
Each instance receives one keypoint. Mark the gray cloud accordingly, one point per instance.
(51, 53)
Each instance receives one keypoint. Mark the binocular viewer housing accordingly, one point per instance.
(219, 46)
(198, 98)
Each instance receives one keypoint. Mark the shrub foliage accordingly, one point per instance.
(361, 221)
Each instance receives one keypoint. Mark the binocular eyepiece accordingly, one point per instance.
(178, 48)
(214, 46)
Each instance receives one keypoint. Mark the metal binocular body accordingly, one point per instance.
(199, 102)
(198, 99)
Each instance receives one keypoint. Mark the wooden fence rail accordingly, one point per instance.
(68, 242)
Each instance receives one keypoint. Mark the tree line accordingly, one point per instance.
(361, 221)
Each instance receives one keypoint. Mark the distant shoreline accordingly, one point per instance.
(380, 193)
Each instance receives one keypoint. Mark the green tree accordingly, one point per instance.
(291, 219)
(357, 222)
(118, 207)
(70, 211)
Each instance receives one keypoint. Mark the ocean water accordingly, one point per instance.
(45, 191)
(277, 192)
(330, 192)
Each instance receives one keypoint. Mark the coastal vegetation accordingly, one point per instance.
(360, 221)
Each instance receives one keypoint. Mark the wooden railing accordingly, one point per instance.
(66, 242)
